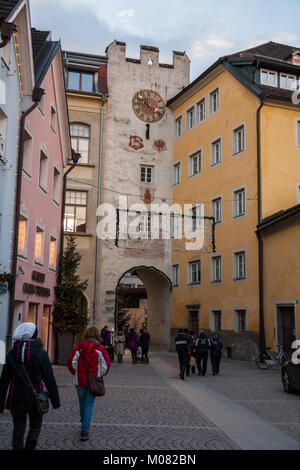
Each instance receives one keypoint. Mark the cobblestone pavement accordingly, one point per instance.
(259, 391)
(139, 411)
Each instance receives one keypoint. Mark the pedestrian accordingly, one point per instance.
(96, 359)
(144, 340)
(215, 354)
(103, 333)
(186, 333)
(109, 343)
(202, 346)
(192, 355)
(133, 344)
(182, 344)
(119, 345)
(26, 362)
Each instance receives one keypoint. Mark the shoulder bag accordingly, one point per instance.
(41, 399)
(95, 384)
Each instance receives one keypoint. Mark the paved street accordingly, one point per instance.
(149, 407)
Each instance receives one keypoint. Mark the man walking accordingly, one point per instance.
(182, 344)
(202, 345)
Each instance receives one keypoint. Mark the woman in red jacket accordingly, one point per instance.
(98, 363)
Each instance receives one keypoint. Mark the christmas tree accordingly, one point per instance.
(69, 315)
(123, 317)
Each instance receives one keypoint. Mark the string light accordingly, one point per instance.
(17, 52)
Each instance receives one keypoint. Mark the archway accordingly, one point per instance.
(158, 287)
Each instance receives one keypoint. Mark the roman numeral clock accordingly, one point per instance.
(148, 106)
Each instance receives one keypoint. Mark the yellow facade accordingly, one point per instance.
(280, 160)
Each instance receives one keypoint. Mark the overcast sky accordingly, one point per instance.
(206, 29)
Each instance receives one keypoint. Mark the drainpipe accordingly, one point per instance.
(104, 96)
(36, 97)
(262, 337)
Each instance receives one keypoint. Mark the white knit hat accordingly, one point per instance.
(24, 331)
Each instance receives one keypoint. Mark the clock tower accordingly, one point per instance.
(137, 165)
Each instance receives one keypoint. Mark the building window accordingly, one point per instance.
(216, 209)
(80, 140)
(27, 153)
(214, 101)
(240, 320)
(56, 185)
(177, 173)
(41, 105)
(22, 238)
(201, 110)
(289, 82)
(216, 269)
(147, 174)
(238, 140)
(52, 253)
(239, 265)
(75, 211)
(144, 227)
(195, 217)
(268, 77)
(79, 80)
(176, 275)
(216, 152)
(43, 171)
(53, 119)
(190, 118)
(38, 246)
(298, 133)
(217, 320)
(195, 272)
(195, 163)
(178, 127)
(239, 202)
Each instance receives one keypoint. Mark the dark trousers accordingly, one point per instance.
(19, 419)
(133, 355)
(188, 367)
(120, 358)
(182, 357)
(215, 363)
(111, 353)
(201, 359)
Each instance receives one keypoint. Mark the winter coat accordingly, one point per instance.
(202, 343)
(144, 340)
(35, 359)
(216, 347)
(119, 344)
(182, 342)
(133, 341)
(95, 357)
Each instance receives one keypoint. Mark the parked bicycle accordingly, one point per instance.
(270, 359)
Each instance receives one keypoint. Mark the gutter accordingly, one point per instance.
(36, 97)
(104, 97)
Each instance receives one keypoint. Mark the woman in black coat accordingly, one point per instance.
(28, 353)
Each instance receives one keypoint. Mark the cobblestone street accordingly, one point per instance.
(149, 407)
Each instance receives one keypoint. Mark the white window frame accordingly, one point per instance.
(213, 278)
(235, 192)
(56, 197)
(53, 123)
(297, 131)
(190, 125)
(151, 173)
(235, 267)
(213, 312)
(176, 275)
(43, 185)
(287, 76)
(198, 120)
(52, 238)
(212, 208)
(298, 193)
(269, 72)
(41, 229)
(189, 272)
(213, 143)
(235, 130)
(210, 95)
(178, 120)
(24, 218)
(236, 320)
(197, 154)
(29, 153)
(177, 173)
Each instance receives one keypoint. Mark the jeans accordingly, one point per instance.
(182, 357)
(19, 419)
(215, 363)
(86, 404)
(201, 359)
(133, 356)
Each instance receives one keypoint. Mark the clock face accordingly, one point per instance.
(148, 106)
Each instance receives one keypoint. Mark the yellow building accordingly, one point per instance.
(237, 151)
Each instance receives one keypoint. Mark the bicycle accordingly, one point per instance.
(270, 359)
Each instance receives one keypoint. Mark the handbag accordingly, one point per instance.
(41, 399)
(95, 384)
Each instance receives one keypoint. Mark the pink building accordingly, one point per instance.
(46, 151)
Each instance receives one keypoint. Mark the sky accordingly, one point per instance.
(206, 30)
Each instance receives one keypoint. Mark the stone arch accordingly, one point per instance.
(158, 286)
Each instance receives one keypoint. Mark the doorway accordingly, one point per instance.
(286, 328)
